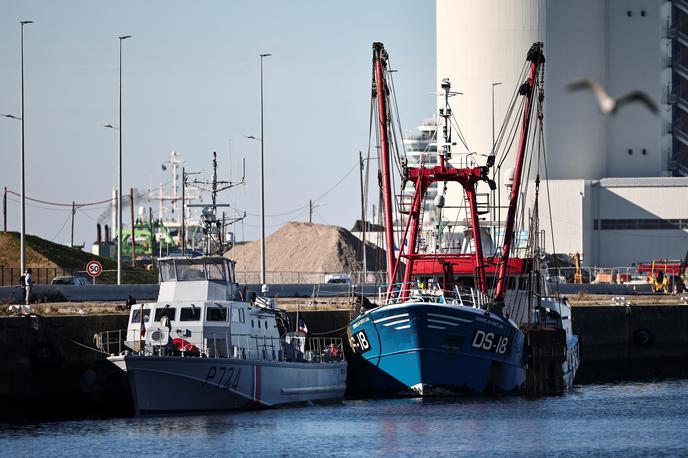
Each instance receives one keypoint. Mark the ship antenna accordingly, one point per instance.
(446, 114)
(213, 228)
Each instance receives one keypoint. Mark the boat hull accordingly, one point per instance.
(570, 366)
(422, 349)
(187, 384)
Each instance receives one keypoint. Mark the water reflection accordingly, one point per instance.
(612, 419)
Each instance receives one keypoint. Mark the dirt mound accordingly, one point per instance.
(43, 253)
(306, 247)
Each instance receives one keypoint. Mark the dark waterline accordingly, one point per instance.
(625, 419)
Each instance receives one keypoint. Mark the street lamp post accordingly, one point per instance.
(262, 179)
(119, 172)
(23, 181)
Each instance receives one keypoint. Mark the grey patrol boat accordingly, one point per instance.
(209, 345)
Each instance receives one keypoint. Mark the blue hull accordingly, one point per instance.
(423, 349)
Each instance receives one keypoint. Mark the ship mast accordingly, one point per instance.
(380, 90)
(213, 227)
(422, 177)
(536, 58)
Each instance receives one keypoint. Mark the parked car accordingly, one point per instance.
(70, 280)
(342, 279)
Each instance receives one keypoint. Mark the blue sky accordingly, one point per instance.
(191, 83)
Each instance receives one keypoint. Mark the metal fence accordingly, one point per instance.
(621, 274)
(9, 276)
(283, 277)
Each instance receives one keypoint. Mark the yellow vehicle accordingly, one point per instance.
(659, 280)
(578, 275)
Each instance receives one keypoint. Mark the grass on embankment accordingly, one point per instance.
(41, 253)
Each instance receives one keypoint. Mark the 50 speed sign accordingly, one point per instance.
(94, 268)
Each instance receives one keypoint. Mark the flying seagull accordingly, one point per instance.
(609, 105)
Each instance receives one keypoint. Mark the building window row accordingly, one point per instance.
(639, 224)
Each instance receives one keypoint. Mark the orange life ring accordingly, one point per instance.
(183, 345)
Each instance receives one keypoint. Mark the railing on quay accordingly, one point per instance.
(9, 276)
(620, 274)
(284, 277)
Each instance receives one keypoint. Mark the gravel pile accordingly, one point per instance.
(306, 247)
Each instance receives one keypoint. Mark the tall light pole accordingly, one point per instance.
(262, 179)
(496, 210)
(23, 181)
(119, 172)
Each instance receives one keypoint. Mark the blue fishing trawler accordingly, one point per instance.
(439, 332)
(435, 344)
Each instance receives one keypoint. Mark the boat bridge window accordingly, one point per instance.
(136, 315)
(168, 311)
(190, 314)
(187, 271)
(216, 270)
(167, 272)
(194, 270)
(216, 313)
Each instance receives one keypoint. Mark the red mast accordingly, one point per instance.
(536, 58)
(380, 89)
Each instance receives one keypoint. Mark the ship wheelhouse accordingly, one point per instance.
(208, 277)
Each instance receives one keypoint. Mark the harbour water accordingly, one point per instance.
(621, 419)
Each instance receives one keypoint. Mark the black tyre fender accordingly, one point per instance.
(45, 355)
(643, 337)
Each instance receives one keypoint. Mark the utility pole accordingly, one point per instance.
(152, 234)
(4, 209)
(133, 228)
(310, 211)
(71, 243)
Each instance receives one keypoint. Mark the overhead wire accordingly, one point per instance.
(69, 217)
(75, 204)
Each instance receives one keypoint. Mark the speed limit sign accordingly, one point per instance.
(94, 268)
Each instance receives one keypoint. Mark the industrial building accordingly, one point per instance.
(618, 183)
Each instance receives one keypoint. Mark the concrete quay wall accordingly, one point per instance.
(633, 341)
(48, 367)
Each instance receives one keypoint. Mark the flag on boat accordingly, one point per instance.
(302, 326)
(143, 325)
